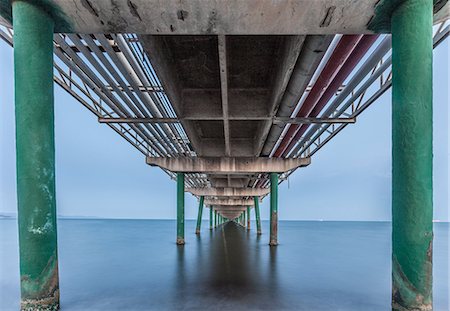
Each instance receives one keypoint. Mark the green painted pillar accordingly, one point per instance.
(35, 157)
(412, 124)
(215, 219)
(199, 217)
(180, 208)
(273, 209)
(210, 218)
(248, 218)
(257, 216)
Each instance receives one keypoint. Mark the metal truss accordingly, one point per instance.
(113, 78)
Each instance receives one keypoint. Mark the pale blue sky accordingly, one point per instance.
(99, 174)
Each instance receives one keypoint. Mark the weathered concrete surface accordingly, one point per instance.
(228, 165)
(229, 208)
(210, 16)
(243, 202)
(228, 192)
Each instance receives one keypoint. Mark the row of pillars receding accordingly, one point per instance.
(411, 157)
(216, 219)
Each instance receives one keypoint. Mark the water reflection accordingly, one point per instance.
(230, 269)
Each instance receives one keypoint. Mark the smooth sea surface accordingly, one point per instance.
(135, 265)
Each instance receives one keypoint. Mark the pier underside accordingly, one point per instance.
(229, 99)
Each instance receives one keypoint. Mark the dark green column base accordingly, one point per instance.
(180, 241)
(45, 304)
(405, 296)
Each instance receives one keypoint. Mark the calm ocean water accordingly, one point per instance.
(135, 265)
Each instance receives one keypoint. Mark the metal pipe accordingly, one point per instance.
(273, 209)
(331, 69)
(35, 156)
(85, 73)
(137, 97)
(381, 50)
(257, 216)
(313, 51)
(130, 100)
(356, 55)
(180, 208)
(412, 156)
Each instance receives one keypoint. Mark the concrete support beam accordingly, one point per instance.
(228, 165)
(257, 216)
(412, 156)
(273, 209)
(230, 208)
(211, 218)
(228, 192)
(231, 202)
(35, 157)
(222, 47)
(199, 17)
(180, 208)
(199, 217)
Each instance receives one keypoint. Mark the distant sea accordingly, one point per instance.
(135, 265)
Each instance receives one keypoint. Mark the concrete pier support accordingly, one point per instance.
(273, 209)
(412, 191)
(35, 145)
(199, 217)
(211, 218)
(257, 216)
(180, 208)
(215, 219)
(248, 218)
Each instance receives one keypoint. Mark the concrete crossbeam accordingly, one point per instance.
(227, 165)
(229, 208)
(230, 202)
(174, 17)
(228, 192)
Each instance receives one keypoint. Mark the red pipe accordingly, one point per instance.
(355, 57)
(340, 54)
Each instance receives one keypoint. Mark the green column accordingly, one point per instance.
(210, 218)
(273, 209)
(412, 191)
(35, 157)
(257, 216)
(248, 218)
(199, 217)
(215, 219)
(180, 208)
